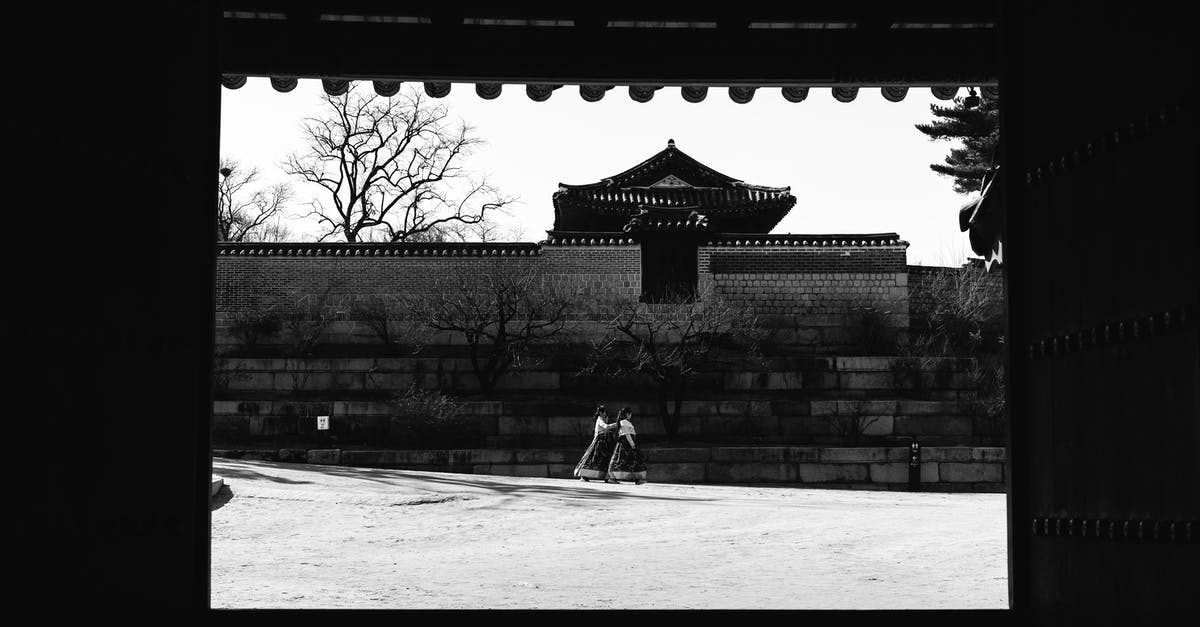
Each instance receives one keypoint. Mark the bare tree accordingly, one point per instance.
(379, 312)
(391, 169)
(488, 231)
(670, 342)
(276, 231)
(245, 214)
(307, 317)
(504, 312)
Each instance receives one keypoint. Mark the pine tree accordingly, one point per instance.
(979, 130)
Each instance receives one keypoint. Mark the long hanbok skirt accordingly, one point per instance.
(594, 464)
(628, 463)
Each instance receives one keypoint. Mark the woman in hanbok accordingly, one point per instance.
(594, 464)
(628, 463)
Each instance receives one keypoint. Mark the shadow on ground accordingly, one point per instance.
(241, 471)
(570, 490)
(218, 500)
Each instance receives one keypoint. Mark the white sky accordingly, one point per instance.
(857, 167)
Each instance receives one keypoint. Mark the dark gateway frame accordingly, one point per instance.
(1101, 509)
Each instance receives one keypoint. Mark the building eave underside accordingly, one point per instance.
(937, 45)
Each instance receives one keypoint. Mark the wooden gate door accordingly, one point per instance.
(1101, 254)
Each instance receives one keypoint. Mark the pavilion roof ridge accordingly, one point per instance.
(669, 154)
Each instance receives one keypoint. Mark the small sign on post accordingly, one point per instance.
(322, 423)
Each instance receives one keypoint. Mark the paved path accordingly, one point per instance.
(301, 536)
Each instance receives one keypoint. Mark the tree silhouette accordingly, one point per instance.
(671, 341)
(391, 169)
(505, 313)
(245, 214)
(979, 130)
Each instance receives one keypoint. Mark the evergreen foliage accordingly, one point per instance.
(979, 130)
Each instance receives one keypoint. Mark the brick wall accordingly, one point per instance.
(248, 282)
(812, 293)
(809, 291)
(595, 271)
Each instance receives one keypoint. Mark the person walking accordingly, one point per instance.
(595, 461)
(628, 463)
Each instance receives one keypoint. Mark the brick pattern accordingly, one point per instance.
(595, 271)
(794, 260)
(812, 286)
(251, 282)
(817, 295)
(816, 286)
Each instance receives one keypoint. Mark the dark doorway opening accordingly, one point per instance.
(669, 272)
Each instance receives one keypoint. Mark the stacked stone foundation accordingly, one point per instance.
(941, 469)
(811, 401)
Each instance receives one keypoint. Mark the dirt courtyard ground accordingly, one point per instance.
(302, 536)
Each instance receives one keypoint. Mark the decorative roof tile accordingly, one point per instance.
(844, 92)
(857, 240)
(364, 249)
(588, 238)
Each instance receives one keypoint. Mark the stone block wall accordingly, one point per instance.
(594, 272)
(814, 298)
(798, 400)
(942, 469)
(807, 282)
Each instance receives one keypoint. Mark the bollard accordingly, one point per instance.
(914, 466)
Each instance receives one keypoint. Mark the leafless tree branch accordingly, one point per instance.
(670, 342)
(245, 214)
(504, 312)
(392, 169)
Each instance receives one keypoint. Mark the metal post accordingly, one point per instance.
(914, 466)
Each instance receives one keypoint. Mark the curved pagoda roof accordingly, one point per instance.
(671, 182)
